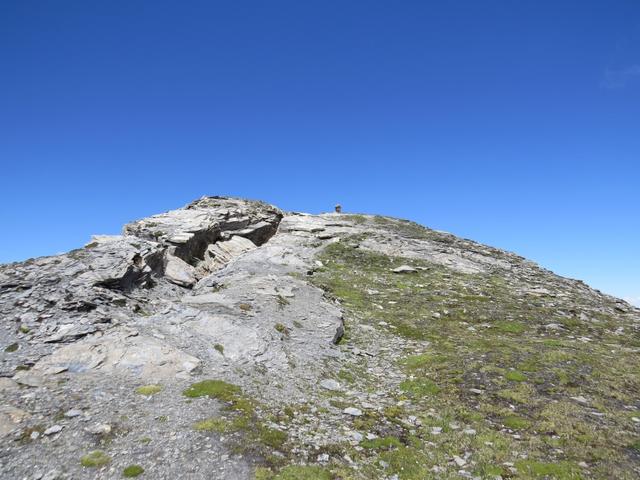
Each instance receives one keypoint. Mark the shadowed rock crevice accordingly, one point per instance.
(139, 274)
(189, 234)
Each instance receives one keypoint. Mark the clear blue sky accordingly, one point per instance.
(513, 123)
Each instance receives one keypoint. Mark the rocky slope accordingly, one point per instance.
(232, 340)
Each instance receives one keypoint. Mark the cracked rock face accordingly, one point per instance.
(224, 290)
(195, 292)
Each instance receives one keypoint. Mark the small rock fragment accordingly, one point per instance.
(354, 412)
(51, 475)
(404, 269)
(98, 429)
(53, 430)
(28, 379)
(459, 461)
(330, 384)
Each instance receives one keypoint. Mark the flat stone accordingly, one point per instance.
(330, 384)
(404, 269)
(53, 430)
(10, 417)
(98, 429)
(121, 350)
(179, 272)
(208, 298)
(554, 326)
(73, 413)
(222, 252)
(52, 475)
(460, 462)
(69, 332)
(7, 384)
(28, 379)
(354, 412)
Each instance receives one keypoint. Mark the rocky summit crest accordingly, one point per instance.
(231, 340)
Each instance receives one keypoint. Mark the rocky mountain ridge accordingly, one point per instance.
(229, 339)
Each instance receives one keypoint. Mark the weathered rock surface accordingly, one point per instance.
(253, 299)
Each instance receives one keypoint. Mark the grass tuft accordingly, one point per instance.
(149, 390)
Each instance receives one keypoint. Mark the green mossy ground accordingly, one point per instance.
(493, 366)
(240, 418)
(295, 472)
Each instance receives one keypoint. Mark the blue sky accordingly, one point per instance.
(513, 123)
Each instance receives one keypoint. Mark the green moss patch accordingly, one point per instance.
(558, 471)
(407, 462)
(282, 301)
(295, 472)
(95, 459)
(132, 471)
(281, 328)
(218, 389)
(515, 376)
(515, 423)
(384, 443)
(215, 424)
(420, 387)
(271, 437)
(149, 389)
(509, 327)
(240, 417)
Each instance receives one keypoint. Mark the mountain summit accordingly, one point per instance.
(231, 340)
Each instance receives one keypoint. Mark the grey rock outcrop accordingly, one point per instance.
(111, 335)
